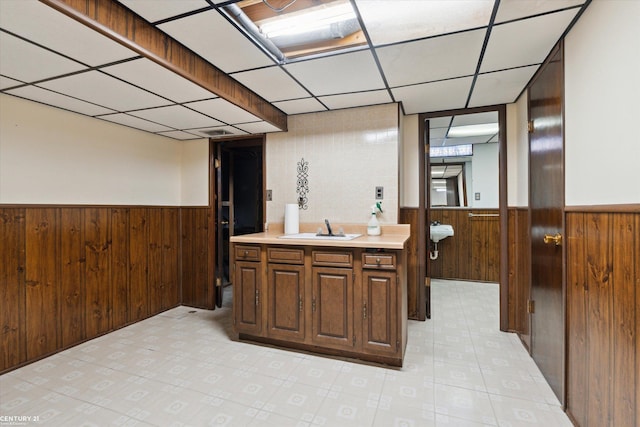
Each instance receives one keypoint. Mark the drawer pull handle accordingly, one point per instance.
(378, 261)
(246, 253)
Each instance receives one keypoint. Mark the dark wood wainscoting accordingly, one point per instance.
(473, 253)
(603, 318)
(519, 273)
(197, 283)
(69, 274)
(410, 216)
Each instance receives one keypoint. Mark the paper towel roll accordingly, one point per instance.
(291, 219)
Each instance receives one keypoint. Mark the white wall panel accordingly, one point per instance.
(350, 152)
(517, 153)
(51, 156)
(602, 65)
(195, 173)
(410, 171)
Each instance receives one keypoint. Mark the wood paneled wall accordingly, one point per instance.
(68, 274)
(197, 283)
(603, 318)
(410, 216)
(519, 273)
(473, 253)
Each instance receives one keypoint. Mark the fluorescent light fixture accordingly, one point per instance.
(473, 130)
(452, 151)
(308, 21)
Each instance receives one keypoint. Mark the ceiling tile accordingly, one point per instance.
(475, 118)
(502, 87)
(98, 88)
(156, 10)
(134, 122)
(157, 79)
(46, 26)
(432, 59)
(258, 127)
(212, 37)
(348, 100)
(207, 132)
(6, 82)
(443, 95)
(272, 83)
(48, 97)
(515, 9)
(524, 42)
(350, 72)
(27, 62)
(413, 19)
(178, 134)
(300, 106)
(223, 111)
(439, 122)
(177, 117)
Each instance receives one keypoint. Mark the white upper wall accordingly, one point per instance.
(485, 173)
(517, 153)
(602, 89)
(195, 173)
(51, 156)
(410, 162)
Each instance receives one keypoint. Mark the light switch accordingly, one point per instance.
(269, 195)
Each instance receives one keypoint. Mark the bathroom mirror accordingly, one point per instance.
(464, 158)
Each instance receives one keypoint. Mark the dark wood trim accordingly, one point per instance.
(423, 195)
(123, 26)
(88, 206)
(424, 199)
(504, 219)
(623, 208)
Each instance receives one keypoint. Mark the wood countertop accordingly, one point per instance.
(392, 237)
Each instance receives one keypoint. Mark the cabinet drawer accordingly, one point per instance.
(285, 255)
(385, 261)
(332, 258)
(247, 253)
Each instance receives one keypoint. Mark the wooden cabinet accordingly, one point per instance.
(332, 307)
(379, 312)
(347, 302)
(247, 289)
(285, 295)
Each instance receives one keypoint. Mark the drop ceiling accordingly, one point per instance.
(426, 55)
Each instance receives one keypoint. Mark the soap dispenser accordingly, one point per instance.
(373, 226)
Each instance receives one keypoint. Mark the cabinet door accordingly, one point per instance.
(247, 287)
(286, 299)
(332, 307)
(379, 312)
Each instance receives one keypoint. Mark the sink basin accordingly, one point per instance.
(440, 231)
(314, 236)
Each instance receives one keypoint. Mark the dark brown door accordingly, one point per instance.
(380, 313)
(247, 297)
(286, 285)
(546, 203)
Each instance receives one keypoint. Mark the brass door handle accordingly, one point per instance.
(557, 239)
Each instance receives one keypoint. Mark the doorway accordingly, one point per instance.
(436, 132)
(238, 183)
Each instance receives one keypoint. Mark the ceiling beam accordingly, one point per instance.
(115, 21)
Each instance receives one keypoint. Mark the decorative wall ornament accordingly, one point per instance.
(302, 185)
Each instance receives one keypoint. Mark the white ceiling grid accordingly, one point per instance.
(427, 55)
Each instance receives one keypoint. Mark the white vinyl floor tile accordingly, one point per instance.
(185, 367)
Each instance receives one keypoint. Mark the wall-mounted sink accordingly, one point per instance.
(440, 231)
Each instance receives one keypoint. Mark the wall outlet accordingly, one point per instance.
(269, 195)
(379, 193)
(477, 196)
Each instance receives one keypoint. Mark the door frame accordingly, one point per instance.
(214, 222)
(424, 210)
